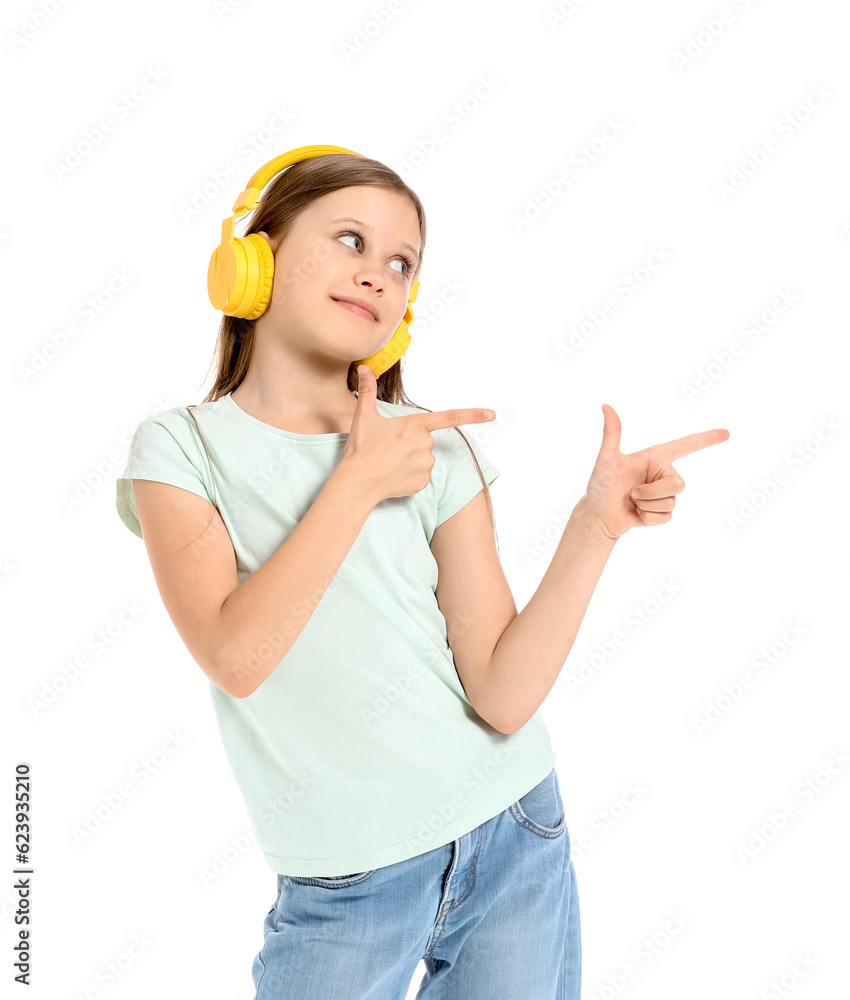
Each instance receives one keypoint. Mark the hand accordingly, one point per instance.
(395, 455)
(609, 508)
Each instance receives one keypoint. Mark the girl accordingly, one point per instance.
(323, 549)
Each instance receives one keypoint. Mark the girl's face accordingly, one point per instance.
(358, 242)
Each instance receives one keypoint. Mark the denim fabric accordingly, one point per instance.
(494, 915)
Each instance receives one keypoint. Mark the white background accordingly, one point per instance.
(731, 160)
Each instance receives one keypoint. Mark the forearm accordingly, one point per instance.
(263, 617)
(533, 649)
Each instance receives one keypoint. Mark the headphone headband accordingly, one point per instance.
(248, 198)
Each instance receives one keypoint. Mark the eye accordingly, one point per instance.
(409, 263)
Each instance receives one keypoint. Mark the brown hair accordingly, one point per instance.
(280, 202)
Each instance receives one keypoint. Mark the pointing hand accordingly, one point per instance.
(395, 455)
(608, 503)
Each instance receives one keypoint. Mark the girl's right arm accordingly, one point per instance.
(237, 633)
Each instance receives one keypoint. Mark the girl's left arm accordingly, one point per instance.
(531, 652)
(508, 662)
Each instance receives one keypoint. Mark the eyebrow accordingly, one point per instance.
(366, 225)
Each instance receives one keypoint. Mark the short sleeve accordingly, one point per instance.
(454, 476)
(165, 448)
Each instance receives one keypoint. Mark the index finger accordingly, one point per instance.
(678, 448)
(454, 418)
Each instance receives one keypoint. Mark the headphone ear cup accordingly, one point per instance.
(240, 276)
(259, 276)
(221, 275)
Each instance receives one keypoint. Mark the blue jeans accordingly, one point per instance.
(494, 915)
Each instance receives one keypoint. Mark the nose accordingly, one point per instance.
(370, 275)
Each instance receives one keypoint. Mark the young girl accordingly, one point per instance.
(323, 548)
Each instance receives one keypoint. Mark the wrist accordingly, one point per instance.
(355, 483)
(590, 524)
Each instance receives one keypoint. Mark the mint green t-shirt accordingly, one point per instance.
(360, 749)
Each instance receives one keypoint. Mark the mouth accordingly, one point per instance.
(358, 307)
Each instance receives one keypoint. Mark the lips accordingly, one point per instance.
(358, 307)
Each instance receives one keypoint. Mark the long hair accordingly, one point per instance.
(281, 201)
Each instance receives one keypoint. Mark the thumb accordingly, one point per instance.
(611, 429)
(367, 389)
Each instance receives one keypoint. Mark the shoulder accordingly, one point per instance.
(163, 423)
(177, 421)
(171, 434)
(172, 417)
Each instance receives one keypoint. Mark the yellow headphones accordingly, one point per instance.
(239, 278)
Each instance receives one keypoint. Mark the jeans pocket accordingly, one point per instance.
(332, 881)
(541, 810)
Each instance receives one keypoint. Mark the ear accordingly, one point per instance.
(272, 243)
